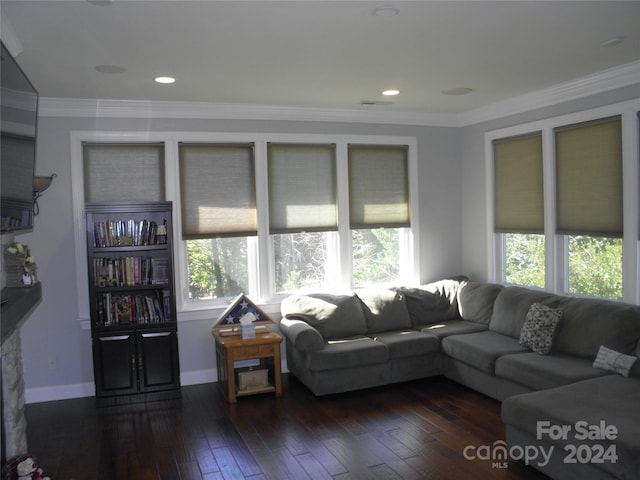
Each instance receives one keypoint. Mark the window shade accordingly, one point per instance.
(302, 188)
(589, 178)
(123, 172)
(217, 190)
(378, 186)
(519, 205)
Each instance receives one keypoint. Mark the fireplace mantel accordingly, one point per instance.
(19, 304)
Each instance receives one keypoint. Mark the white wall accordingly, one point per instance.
(57, 351)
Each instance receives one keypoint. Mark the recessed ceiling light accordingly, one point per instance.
(110, 69)
(386, 11)
(457, 91)
(390, 93)
(612, 41)
(164, 80)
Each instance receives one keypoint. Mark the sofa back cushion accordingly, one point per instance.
(433, 302)
(384, 310)
(334, 316)
(588, 323)
(512, 305)
(476, 299)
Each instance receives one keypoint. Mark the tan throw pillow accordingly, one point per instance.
(540, 328)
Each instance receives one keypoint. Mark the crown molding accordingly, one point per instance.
(604, 81)
(70, 107)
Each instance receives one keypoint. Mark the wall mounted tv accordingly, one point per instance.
(18, 127)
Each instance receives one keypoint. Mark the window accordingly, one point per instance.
(218, 217)
(524, 259)
(378, 211)
(302, 215)
(589, 205)
(518, 205)
(263, 214)
(586, 183)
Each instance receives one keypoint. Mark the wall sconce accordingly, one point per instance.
(40, 184)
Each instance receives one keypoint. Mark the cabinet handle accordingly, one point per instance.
(115, 338)
(158, 334)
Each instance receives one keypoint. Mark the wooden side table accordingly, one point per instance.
(232, 348)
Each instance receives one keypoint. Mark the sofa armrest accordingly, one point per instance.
(302, 335)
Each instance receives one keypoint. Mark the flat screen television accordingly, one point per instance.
(18, 127)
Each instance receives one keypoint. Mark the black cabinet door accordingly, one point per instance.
(158, 367)
(114, 360)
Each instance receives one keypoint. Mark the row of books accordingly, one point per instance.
(124, 309)
(130, 271)
(121, 233)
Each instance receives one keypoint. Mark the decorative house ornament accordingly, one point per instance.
(242, 317)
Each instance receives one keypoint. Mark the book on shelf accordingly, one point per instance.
(118, 233)
(159, 270)
(130, 271)
(122, 309)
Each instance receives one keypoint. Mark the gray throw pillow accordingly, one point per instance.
(614, 361)
(334, 316)
(540, 327)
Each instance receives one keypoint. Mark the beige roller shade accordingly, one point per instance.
(302, 188)
(589, 178)
(123, 172)
(217, 190)
(519, 204)
(378, 186)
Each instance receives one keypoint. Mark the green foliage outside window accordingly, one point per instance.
(300, 260)
(594, 264)
(217, 267)
(376, 256)
(524, 256)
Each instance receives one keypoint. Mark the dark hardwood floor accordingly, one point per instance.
(411, 431)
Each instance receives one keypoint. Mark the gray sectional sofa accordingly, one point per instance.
(532, 350)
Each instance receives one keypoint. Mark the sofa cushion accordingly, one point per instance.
(611, 399)
(384, 310)
(613, 361)
(475, 301)
(433, 302)
(480, 350)
(408, 343)
(540, 327)
(334, 316)
(453, 327)
(588, 323)
(348, 353)
(513, 304)
(545, 371)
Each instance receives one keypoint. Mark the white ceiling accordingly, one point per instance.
(317, 54)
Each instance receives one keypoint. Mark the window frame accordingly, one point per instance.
(260, 248)
(556, 245)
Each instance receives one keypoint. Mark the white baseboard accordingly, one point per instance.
(197, 377)
(79, 390)
(59, 392)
